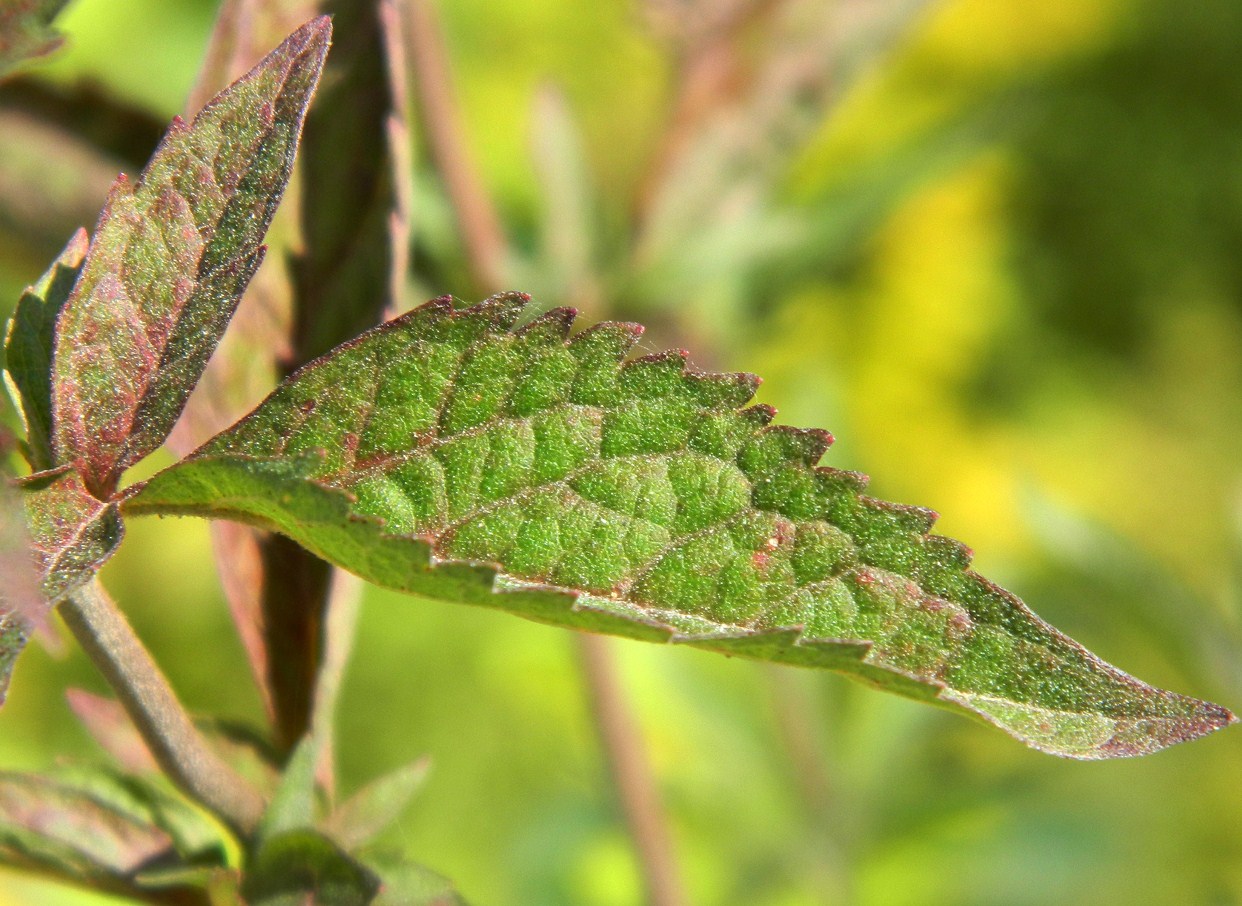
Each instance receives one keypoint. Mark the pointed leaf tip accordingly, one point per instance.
(453, 454)
(171, 256)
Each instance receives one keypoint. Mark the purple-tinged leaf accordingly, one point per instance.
(95, 827)
(73, 531)
(25, 30)
(105, 719)
(452, 454)
(170, 257)
(28, 347)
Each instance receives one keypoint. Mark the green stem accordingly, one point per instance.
(143, 690)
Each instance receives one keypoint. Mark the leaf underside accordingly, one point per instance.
(453, 454)
(169, 260)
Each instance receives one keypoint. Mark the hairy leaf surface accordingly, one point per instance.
(169, 260)
(453, 454)
(73, 531)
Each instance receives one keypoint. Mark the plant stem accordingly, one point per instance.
(631, 773)
(481, 232)
(487, 253)
(339, 631)
(143, 690)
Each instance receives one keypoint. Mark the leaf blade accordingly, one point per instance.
(73, 532)
(29, 344)
(643, 499)
(169, 260)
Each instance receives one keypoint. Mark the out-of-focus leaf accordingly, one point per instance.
(243, 30)
(301, 866)
(111, 728)
(26, 30)
(169, 260)
(294, 804)
(643, 499)
(105, 719)
(73, 531)
(94, 826)
(21, 602)
(51, 182)
(28, 345)
(404, 883)
(374, 807)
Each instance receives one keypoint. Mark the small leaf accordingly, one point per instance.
(73, 531)
(643, 499)
(302, 866)
(25, 30)
(93, 825)
(29, 341)
(169, 260)
(294, 804)
(377, 805)
(404, 883)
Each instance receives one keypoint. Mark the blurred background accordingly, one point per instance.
(993, 245)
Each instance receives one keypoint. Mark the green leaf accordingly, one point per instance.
(25, 30)
(377, 805)
(96, 826)
(29, 341)
(404, 883)
(302, 866)
(294, 804)
(73, 531)
(169, 260)
(643, 499)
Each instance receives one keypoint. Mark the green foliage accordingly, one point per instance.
(643, 499)
(94, 826)
(474, 456)
(168, 263)
(25, 30)
(28, 348)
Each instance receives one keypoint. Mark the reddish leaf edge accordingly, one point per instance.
(788, 645)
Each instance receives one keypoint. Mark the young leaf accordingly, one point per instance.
(643, 499)
(169, 260)
(28, 343)
(404, 883)
(303, 866)
(73, 531)
(373, 808)
(25, 30)
(96, 826)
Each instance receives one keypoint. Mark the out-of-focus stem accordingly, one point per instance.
(481, 232)
(143, 690)
(487, 253)
(340, 629)
(631, 773)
